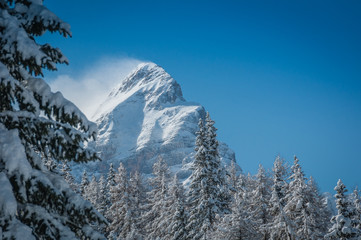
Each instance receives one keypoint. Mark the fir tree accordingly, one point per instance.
(342, 225)
(298, 207)
(356, 211)
(110, 183)
(102, 199)
(259, 201)
(92, 192)
(121, 215)
(318, 207)
(36, 123)
(208, 194)
(138, 193)
(84, 184)
(66, 173)
(280, 227)
(177, 221)
(157, 206)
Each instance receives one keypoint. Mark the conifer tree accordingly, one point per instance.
(93, 191)
(102, 199)
(208, 194)
(138, 194)
(66, 173)
(121, 216)
(356, 211)
(84, 184)
(259, 201)
(320, 212)
(342, 225)
(36, 123)
(177, 220)
(280, 227)
(240, 223)
(158, 196)
(110, 183)
(299, 205)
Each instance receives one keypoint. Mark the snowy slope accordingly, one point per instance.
(146, 118)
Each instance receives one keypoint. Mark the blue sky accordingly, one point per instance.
(278, 77)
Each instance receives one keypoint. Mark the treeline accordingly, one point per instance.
(218, 203)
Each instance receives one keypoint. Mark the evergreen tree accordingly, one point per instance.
(320, 210)
(208, 194)
(259, 201)
(280, 227)
(84, 184)
(121, 215)
(342, 225)
(110, 183)
(102, 199)
(240, 223)
(36, 123)
(66, 173)
(158, 203)
(300, 205)
(177, 220)
(356, 211)
(138, 193)
(92, 192)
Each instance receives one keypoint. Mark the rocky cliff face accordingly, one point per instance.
(146, 118)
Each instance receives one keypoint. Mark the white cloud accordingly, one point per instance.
(91, 87)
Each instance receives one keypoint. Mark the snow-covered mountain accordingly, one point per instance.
(146, 118)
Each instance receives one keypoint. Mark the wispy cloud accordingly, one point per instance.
(91, 86)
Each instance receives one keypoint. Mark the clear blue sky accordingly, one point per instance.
(278, 77)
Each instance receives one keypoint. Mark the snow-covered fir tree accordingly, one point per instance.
(120, 212)
(66, 173)
(321, 213)
(280, 227)
(259, 202)
(208, 194)
(355, 201)
(300, 207)
(239, 224)
(177, 214)
(102, 198)
(84, 184)
(110, 183)
(138, 194)
(158, 204)
(342, 223)
(93, 191)
(35, 123)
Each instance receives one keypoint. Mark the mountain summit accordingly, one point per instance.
(145, 118)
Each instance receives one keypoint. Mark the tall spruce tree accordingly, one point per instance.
(66, 173)
(84, 184)
(93, 191)
(356, 211)
(36, 123)
(208, 194)
(121, 216)
(280, 227)
(138, 193)
(157, 206)
(259, 202)
(177, 214)
(110, 183)
(342, 225)
(102, 199)
(301, 206)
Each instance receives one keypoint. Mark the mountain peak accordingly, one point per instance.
(149, 84)
(146, 118)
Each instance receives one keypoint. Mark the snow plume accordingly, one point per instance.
(92, 85)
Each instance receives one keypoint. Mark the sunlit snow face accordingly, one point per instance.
(89, 87)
